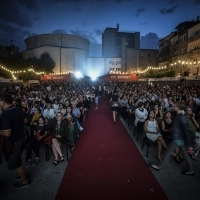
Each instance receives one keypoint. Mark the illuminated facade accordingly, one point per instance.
(180, 50)
(69, 52)
(126, 47)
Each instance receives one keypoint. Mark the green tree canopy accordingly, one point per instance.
(45, 63)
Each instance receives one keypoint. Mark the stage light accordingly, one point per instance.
(78, 75)
(94, 78)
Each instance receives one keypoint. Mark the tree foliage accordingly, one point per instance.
(46, 63)
(160, 74)
(17, 63)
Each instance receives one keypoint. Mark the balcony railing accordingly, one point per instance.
(194, 53)
(192, 39)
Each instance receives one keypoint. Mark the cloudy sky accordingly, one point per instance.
(88, 18)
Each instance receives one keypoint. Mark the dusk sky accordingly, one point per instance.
(154, 19)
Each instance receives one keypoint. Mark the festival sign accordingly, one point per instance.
(121, 77)
(59, 77)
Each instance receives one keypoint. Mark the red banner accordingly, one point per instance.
(56, 77)
(121, 77)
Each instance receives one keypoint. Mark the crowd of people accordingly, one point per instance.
(49, 112)
(53, 113)
(160, 114)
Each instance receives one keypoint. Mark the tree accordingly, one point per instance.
(32, 62)
(46, 63)
(14, 63)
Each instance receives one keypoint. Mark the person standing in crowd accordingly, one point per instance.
(77, 113)
(71, 121)
(100, 90)
(123, 105)
(96, 93)
(114, 105)
(180, 138)
(36, 142)
(192, 128)
(12, 121)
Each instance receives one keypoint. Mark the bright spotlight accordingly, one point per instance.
(94, 78)
(78, 75)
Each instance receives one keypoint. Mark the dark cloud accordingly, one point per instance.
(15, 18)
(85, 34)
(89, 1)
(21, 13)
(168, 10)
(63, 31)
(78, 9)
(149, 41)
(197, 2)
(15, 33)
(172, 1)
(143, 23)
(139, 11)
(98, 32)
(121, 1)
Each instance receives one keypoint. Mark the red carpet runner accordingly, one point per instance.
(106, 165)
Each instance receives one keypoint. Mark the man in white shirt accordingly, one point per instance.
(48, 112)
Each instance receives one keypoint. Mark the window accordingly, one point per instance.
(182, 51)
(141, 54)
(183, 38)
(197, 32)
(195, 61)
(149, 55)
(133, 53)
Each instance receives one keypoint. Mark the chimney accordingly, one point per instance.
(197, 18)
(11, 42)
(117, 26)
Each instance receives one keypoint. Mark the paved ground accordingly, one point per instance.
(176, 185)
(45, 178)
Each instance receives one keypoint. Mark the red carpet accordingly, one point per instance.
(106, 164)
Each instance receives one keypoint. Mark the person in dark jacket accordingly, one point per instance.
(59, 128)
(180, 139)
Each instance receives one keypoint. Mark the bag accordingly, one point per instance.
(48, 138)
(37, 134)
(114, 104)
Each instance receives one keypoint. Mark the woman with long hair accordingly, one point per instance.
(167, 124)
(152, 132)
(36, 142)
(140, 116)
(123, 105)
(60, 132)
(71, 121)
(158, 113)
(114, 105)
(36, 116)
